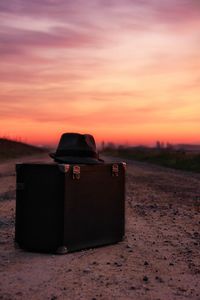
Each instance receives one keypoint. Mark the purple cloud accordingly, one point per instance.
(58, 37)
(88, 23)
(83, 31)
(85, 11)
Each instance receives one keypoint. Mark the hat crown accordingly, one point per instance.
(76, 148)
(76, 141)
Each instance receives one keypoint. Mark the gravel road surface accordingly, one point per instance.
(159, 258)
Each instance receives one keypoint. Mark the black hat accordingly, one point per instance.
(76, 148)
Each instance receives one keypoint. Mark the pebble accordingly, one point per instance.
(145, 278)
(69, 270)
(159, 279)
(87, 270)
(118, 264)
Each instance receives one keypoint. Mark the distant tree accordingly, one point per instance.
(111, 145)
(121, 147)
(169, 146)
(158, 145)
(102, 146)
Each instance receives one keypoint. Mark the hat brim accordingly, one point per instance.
(75, 160)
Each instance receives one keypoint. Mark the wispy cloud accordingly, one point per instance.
(100, 64)
(58, 37)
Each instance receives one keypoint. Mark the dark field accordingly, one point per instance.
(13, 149)
(176, 159)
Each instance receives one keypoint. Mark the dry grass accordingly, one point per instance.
(176, 159)
(13, 149)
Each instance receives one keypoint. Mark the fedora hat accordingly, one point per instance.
(76, 148)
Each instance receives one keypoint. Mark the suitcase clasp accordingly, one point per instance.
(115, 170)
(76, 172)
(64, 168)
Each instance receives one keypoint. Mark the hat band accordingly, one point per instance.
(76, 153)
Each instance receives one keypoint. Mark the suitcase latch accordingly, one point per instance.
(115, 170)
(76, 172)
(64, 168)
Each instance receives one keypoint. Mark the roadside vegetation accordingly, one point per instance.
(12, 149)
(168, 157)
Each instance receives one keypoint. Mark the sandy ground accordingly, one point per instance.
(159, 258)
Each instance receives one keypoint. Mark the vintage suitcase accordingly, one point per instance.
(63, 208)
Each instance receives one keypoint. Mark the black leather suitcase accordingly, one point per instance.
(63, 208)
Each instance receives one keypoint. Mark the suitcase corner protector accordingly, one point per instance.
(16, 245)
(62, 250)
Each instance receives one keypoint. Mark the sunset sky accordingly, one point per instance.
(126, 71)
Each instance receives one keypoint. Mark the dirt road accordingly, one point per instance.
(159, 258)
